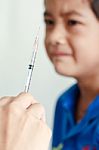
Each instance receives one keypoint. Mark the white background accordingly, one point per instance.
(19, 22)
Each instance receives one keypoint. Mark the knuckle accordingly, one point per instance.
(5, 101)
(45, 127)
(3, 98)
(41, 108)
(24, 95)
(13, 107)
(49, 131)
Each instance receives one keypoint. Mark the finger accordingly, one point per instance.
(23, 100)
(6, 100)
(37, 110)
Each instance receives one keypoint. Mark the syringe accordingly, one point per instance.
(31, 65)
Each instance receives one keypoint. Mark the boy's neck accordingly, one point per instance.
(88, 92)
(88, 89)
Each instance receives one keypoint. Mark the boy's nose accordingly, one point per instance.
(58, 35)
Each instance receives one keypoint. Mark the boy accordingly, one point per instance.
(72, 44)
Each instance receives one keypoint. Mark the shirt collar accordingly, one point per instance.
(92, 111)
(71, 97)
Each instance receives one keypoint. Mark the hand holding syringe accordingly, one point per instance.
(31, 65)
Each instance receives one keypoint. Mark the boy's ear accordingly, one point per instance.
(95, 7)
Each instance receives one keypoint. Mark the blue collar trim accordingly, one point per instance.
(69, 104)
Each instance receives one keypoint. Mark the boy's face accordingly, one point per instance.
(72, 37)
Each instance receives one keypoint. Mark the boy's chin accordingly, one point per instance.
(64, 72)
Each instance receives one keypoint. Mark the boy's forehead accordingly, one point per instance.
(67, 1)
(65, 5)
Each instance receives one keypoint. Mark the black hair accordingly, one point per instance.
(95, 7)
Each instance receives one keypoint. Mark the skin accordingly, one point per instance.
(22, 124)
(72, 44)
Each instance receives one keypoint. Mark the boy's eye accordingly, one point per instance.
(49, 22)
(73, 22)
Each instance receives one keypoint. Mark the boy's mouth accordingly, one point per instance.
(60, 54)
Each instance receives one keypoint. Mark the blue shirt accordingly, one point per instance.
(69, 135)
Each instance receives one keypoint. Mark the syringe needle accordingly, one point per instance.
(31, 65)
